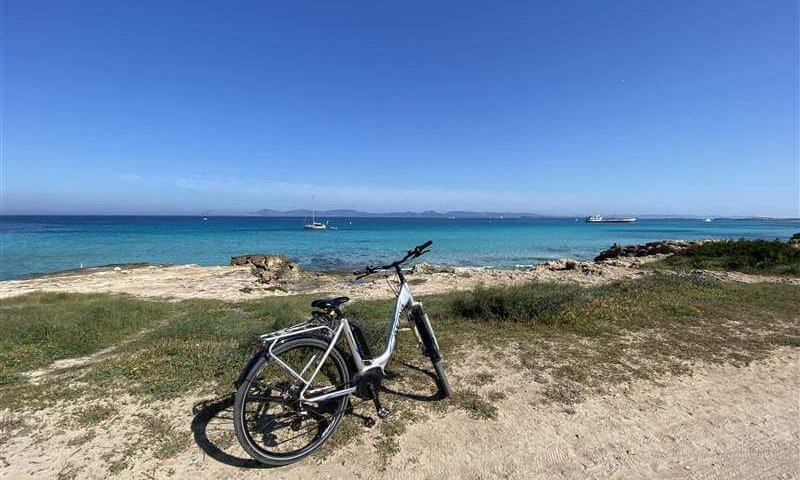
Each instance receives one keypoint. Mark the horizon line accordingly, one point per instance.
(411, 214)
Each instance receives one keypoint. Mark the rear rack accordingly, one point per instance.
(316, 324)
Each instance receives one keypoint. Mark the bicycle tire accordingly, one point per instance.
(243, 435)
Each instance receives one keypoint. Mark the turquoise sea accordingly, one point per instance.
(39, 244)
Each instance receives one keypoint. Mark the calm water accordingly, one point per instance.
(40, 244)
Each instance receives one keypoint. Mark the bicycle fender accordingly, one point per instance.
(250, 364)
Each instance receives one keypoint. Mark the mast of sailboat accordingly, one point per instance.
(313, 210)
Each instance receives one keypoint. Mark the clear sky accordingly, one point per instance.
(145, 107)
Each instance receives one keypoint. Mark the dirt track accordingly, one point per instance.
(720, 423)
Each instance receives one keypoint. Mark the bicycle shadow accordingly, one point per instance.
(437, 395)
(212, 428)
(212, 425)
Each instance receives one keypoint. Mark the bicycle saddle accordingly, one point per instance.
(329, 303)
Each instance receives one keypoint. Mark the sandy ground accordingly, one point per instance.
(237, 283)
(722, 422)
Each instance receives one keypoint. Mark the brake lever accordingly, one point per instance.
(369, 270)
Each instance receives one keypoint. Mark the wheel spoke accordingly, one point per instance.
(265, 398)
(296, 436)
(314, 357)
(276, 422)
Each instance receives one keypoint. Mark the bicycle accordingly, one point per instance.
(276, 394)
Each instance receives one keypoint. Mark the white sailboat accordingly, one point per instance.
(314, 225)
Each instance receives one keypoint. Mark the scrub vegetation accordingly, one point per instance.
(749, 256)
(568, 341)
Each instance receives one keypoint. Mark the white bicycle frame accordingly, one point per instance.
(404, 301)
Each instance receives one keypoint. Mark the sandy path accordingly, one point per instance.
(721, 423)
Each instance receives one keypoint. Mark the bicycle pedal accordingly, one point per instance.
(384, 412)
(369, 422)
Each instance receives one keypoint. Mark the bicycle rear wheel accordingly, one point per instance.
(270, 423)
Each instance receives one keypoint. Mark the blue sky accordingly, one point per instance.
(686, 107)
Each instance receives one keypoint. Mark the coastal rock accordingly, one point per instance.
(427, 268)
(644, 250)
(568, 266)
(795, 240)
(561, 264)
(269, 268)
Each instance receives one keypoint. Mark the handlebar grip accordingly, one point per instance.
(418, 250)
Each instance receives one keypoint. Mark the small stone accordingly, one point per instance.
(427, 268)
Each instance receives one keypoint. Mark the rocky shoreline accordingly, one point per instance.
(258, 275)
(664, 247)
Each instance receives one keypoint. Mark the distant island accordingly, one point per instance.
(461, 214)
(426, 214)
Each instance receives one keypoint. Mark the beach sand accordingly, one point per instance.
(236, 283)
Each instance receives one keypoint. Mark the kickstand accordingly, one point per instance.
(382, 411)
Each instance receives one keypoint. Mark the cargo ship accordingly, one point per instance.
(602, 219)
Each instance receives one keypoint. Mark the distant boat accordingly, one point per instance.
(602, 219)
(707, 220)
(314, 225)
(205, 218)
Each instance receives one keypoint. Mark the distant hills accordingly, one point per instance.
(426, 214)
(345, 213)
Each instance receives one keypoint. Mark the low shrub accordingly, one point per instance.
(750, 256)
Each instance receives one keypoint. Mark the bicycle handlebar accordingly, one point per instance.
(414, 253)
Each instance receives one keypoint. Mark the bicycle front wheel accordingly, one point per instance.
(270, 423)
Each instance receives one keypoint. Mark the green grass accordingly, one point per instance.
(573, 335)
(548, 305)
(475, 405)
(163, 348)
(95, 414)
(748, 256)
(168, 440)
(37, 329)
